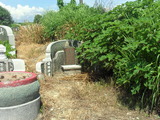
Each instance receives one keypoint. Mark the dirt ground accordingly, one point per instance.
(74, 97)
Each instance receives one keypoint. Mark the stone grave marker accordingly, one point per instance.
(58, 54)
(6, 34)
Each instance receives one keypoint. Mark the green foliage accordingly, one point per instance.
(51, 20)
(25, 23)
(37, 18)
(8, 49)
(73, 2)
(15, 25)
(5, 17)
(125, 40)
(60, 3)
(58, 23)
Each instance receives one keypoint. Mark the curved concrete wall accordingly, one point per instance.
(11, 96)
(26, 111)
(6, 33)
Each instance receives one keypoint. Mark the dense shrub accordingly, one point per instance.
(125, 40)
(58, 23)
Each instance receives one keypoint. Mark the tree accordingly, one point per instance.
(60, 3)
(81, 1)
(73, 2)
(5, 17)
(37, 18)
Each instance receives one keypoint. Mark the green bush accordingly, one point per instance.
(58, 23)
(125, 40)
(8, 49)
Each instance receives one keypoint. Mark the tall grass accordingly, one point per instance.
(33, 33)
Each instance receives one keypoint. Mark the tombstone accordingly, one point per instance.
(48, 65)
(6, 64)
(6, 34)
(70, 66)
(57, 54)
(69, 54)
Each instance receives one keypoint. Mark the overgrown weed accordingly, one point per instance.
(33, 33)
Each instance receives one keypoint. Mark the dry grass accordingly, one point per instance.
(69, 98)
(31, 45)
(31, 54)
(31, 34)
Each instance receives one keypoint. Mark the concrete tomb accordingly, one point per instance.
(6, 34)
(58, 54)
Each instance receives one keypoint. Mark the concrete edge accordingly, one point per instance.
(21, 105)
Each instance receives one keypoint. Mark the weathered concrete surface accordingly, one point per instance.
(71, 69)
(69, 56)
(46, 66)
(26, 111)
(12, 96)
(58, 60)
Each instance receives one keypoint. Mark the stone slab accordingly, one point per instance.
(69, 56)
(70, 67)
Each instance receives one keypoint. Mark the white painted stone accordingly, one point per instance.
(6, 33)
(2, 52)
(71, 67)
(19, 64)
(39, 67)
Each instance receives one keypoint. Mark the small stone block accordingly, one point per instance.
(70, 67)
